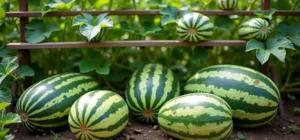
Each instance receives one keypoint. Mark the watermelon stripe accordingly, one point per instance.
(187, 135)
(64, 97)
(234, 80)
(96, 101)
(245, 71)
(156, 86)
(249, 123)
(134, 99)
(114, 109)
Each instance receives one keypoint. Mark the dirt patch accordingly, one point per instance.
(276, 130)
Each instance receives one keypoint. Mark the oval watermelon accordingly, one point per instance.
(255, 28)
(45, 105)
(198, 116)
(227, 4)
(98, 115)
(148, 89)
(195, 27)
(252, 96)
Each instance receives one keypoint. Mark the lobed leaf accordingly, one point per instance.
(5, 97)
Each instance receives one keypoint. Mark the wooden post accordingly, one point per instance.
(265, 5)
(25, 54)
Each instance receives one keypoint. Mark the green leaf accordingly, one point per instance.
(34, 2)
(223, 22)
(78, 20)
(126, 27)
(51, 28)
(297, 110)
(287, 30)
(89, 19)
(8, 61)
(24, 71)
(9, 137)
(104, 21)
(90, 28)
(276, 47)
(88, 65)
(240, 136)
(169, 15)
(155, 2)
(89, 31)
(36, 31)
(5, 52)
(149, 28)
(104, 70)
(291, 97)
(3, 132)
(57, 5)
(268, 14)
(198, 54)
(283, 5)
(293, 128)
(10, 118)
(262, 55)
(254, 44)
(13, 66)
(2, 13)
(5, 97)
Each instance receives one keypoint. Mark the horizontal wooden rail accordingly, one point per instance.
(153, 43)
(141, 12)
(291, 91)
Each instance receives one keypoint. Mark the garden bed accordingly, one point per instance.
(276, 130)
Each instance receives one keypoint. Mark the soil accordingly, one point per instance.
(276, 130)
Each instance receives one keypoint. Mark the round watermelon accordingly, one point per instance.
(45, 105)
(98, 115)
(194, 27)
(252, 96)
(196, 116)
(148, 89)
(227, 4)
(255, 28)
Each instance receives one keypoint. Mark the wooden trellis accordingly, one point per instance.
(24, 48)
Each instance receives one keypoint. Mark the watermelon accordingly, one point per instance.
(194, 27)
(148, 89)
(45, 105)
(98, 115)
(252, 96)
(255, 28)
(200, 116)
(227, 4)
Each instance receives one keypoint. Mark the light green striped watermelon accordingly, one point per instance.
(227, 4)
(45, 105)
(196, 116)
(148, 89)
(98, 115)
(252, 96)
(194, 27)
(255, 28)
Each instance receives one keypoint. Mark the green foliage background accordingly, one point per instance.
(117, 64)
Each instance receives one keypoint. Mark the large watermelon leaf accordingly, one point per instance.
(23, 71)
(90, 27)
(291, 31)
(275, 46)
